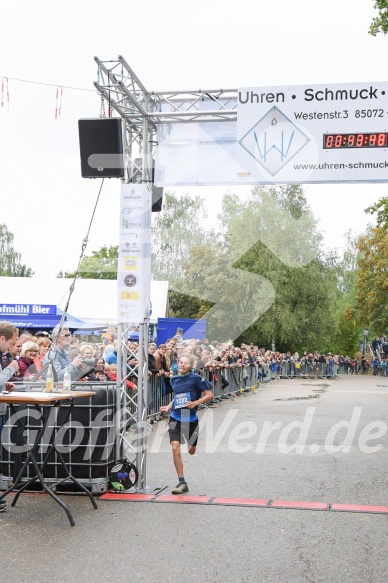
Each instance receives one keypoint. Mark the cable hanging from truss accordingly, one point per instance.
(83, 248)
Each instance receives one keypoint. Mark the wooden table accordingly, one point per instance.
(44, 402)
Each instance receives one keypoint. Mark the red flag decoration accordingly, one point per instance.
(58, 102)
(4, 92)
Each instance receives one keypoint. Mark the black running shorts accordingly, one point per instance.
(186, 431)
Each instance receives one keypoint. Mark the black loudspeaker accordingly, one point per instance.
(101, 148)
(157, 198)
(157, 191)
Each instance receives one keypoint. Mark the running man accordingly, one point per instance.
(188, 388)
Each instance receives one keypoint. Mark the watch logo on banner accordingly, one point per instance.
(274, 140)
(130, 280)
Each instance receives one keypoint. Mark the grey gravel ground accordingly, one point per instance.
(124, 541)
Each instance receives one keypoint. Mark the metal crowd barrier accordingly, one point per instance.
(289, 369)
(357, 370)
(228, 383)
(382, 371)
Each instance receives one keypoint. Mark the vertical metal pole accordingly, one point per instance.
(119, 406)
(120, 409)
(141, 441)
(142, 402)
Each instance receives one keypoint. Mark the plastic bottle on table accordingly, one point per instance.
(49, 379)
(67, 380)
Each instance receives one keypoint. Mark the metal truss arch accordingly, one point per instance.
(141, 112)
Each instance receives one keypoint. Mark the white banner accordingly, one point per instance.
(134, 262)
(314, 133)
(196, 153)
(294, 134)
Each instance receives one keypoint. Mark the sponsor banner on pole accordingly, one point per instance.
(134, 261)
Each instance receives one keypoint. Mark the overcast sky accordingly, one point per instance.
(170, 45)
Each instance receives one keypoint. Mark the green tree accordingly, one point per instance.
(267, 261)
(287, 252)
(372, 280)
(381, 209)
(102, 264)
(175, 230)
(345, 311)
(348, 332)
(226, 297)
(380, 23)
(182, 305)
(10, 260)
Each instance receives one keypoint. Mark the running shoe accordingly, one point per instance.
(181, 488)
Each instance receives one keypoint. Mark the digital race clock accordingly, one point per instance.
(375, 140)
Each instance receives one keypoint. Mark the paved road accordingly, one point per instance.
(248, 448)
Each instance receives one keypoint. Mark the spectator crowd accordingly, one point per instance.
(97, 361)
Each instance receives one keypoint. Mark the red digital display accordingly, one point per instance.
(333, 141)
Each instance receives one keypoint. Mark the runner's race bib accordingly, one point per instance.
(181, 400)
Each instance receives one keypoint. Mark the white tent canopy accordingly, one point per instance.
(93, 301)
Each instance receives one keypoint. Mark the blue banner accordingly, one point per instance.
(27, 310)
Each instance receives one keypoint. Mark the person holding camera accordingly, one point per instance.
(59, 358)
